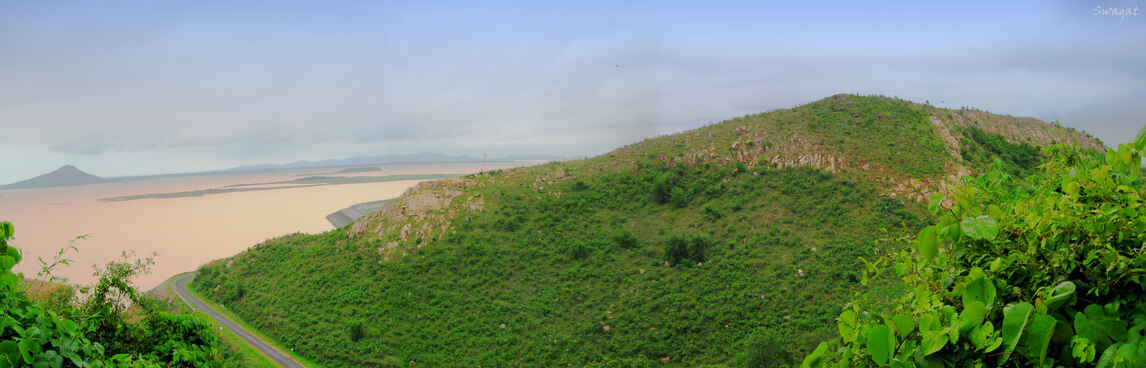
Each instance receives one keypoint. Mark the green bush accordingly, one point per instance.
(1042, 272)
(578, 250)
(681, 250)
(356, 330)
(767, 351)
(663, 186)
(712, 212)
(624, 238)
(681, 197)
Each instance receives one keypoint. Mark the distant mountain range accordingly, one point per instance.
(67, 175)
(383, 159)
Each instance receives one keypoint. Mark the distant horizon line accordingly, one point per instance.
(304, 164)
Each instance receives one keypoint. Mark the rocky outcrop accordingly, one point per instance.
(421, 215)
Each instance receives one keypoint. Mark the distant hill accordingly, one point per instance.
(734, 244)
(67, 175)
(384, 159)
(352, 170)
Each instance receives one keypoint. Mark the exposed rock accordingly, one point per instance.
(420, 215)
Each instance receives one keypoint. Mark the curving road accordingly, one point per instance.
(271, 352)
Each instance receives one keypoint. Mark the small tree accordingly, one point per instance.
(687, 250)
(356, 330)
(624, 238)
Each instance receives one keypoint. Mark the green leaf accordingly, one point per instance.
(997, 264)
(1038, 336)
(972, 316)
(935, 203)
(994, 344)
(980, 290)
(6, 230)
(981, 228)
(1015, 318)
(10, 352)
(1109, 356)
(1082, 349)
(929, 322)
(847, 326)
(922, 361)
(982, 335)
(14, 253)
(66, 327)
(904, 324)
(1062, 293)
(1070, 187)
(49, 359)
(927, 243)
(6, 263)
(933, 341)
(1099, 326)
(816, 358)
(1140, 141)
(28, 349)
(951, 316)
(880, 344)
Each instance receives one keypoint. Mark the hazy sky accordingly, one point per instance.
(143, 87)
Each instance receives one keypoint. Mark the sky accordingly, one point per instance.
(150, 87)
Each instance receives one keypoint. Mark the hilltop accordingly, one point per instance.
(66, 175)
(734, 243)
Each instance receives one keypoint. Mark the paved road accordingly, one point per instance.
(275, 354)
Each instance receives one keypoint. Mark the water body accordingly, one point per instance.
(189, 231)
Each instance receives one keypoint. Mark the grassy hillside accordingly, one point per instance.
(736, 243)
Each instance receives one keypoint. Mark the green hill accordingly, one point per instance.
(736, 243)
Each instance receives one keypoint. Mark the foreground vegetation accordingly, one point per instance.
(735, 244)
(62, 330)
(1043, 272)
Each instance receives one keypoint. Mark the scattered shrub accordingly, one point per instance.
(578, 250)
(356, 330)
(767, 351)
(624, 238)
(682, 250)
(663, 186)
(712, 212)
(680, 197)
(714, 190)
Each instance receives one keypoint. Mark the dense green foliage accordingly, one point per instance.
(96, 331)
(1042, 272)
(982, 148)
(543, 280)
